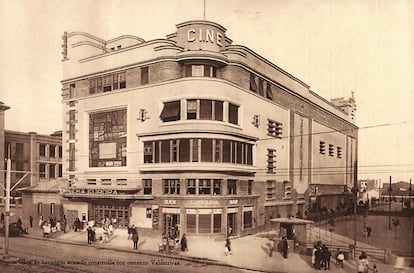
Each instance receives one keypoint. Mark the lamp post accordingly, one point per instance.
(389, 205)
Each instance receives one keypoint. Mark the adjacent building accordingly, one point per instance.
(193, 133)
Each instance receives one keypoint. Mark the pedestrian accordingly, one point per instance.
(31, 221)
(2, 218)
(184, 246)
(227, 247)
(318, 257)
(46, 230)
(76, 224)
(272, 247)
(135, 237)
(90, 236)
(374, 269)
(362, 265)
(285, 247)
(315, 248)
(41, 221)
(326, 256)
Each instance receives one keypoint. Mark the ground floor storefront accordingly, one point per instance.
(171, 217)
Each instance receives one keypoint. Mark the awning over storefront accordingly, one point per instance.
(293, 221)
(170, 111)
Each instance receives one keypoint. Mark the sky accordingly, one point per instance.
(336, 47)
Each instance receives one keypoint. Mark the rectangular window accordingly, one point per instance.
(194, 149)
(269, 92)
(165, 151)
(148, 152)
(206, 109)
(52, 208)
(52, 150)
(52, 169)
(206, 150)
(191, 186)
(172, 186)
(42, 149)
(254, 82)
(174, 150)
(197, 71)
(248, 217)
(239, 158)
(218, 110)
(147, 186)
(72, 91)
(216, 186)
(107, 83)
(286, 189)
(274, 128)
(19, 167)
(249, 154)
(60, 151)
(122, 80)
(271, 189)
(72, 157)
(231, 187)
(191, 109)
(249, 187)
(144, 75)
(204, 221)
(271, 160)
(217, 223)
(19, 149)
(108, 139)
(42, 170)
(71, 131)
(184, 148)
(233, 114)
(171, 111)
(92, 86)
(205, 186)
(218, 150)
(39, 208)
(322, 147)
(226, 150)
(191, 223)
(60, 170)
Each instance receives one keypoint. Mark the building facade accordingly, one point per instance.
(37, 168)
(195, 134)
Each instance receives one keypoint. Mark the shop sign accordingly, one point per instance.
(204, 203)
(170, 202)
(233, 202)
(92, 191)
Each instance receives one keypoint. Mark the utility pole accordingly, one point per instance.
(389, 206)
(7, 209)
(355, 201)
(409, 202)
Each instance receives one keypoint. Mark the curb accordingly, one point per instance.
(156, 254)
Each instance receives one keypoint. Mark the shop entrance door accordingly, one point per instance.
(71, 216)
(171, 225)
(231, 224)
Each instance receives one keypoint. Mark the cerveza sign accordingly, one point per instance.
(92, 191)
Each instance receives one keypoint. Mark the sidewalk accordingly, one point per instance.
(321, 234)
(249, 252)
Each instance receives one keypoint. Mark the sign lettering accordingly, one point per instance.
(205, 36)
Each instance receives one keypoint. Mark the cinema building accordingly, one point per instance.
(195, 133)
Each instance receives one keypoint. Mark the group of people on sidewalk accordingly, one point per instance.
(321, 257)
